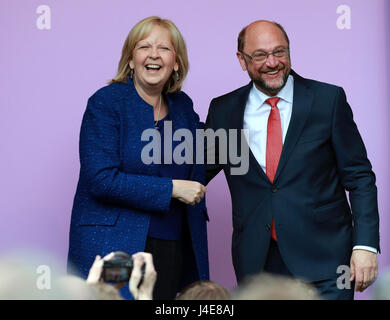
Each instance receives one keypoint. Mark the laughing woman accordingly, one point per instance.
(124, 203)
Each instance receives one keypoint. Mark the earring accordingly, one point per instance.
(131, 73)
(177, 76)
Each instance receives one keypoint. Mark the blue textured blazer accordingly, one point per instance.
(117, 192)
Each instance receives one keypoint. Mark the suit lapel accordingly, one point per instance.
(180, 121)
(175, 114)
(238, 104)
(237, 122)
(302, 104)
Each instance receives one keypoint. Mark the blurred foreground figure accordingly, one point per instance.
(381, 288)
(274, 287)
(204, 290)
(28, 276)
(141, 283)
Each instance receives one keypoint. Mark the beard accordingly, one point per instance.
(267, 87)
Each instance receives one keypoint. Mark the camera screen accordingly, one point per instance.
(116, 274)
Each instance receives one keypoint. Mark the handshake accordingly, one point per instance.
(189, 192)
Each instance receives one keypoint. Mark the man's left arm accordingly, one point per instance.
(358, 179)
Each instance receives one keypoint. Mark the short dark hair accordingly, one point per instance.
(241, 36)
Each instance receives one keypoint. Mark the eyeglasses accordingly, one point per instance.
(261, 57)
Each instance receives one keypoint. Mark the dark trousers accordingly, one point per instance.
(327, 289)
(168, 262)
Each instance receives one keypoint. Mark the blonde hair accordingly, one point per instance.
(204, 290)
(139, 32)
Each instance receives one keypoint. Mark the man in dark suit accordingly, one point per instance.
(290, 211)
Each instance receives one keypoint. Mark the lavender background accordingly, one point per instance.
(47, 76)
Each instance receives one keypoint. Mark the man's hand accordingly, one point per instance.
(364, 268)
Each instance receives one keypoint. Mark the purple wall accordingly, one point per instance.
(47, 75)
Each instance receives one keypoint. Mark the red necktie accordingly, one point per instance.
(274, 145)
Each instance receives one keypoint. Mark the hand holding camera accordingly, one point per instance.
(141, 283)
(95, 273)
(119, 267)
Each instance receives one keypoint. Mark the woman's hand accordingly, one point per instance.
(189, 192)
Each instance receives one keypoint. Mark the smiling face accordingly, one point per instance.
(271, 75)
(154, 60)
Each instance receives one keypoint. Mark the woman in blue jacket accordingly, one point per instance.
(124, 202)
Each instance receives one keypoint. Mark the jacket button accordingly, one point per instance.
(274, 189)
(268, 227)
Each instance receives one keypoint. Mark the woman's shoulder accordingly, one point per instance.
(185, 106)
(112, 92)
(180, 97)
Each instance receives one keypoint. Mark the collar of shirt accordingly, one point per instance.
(257, 98)
(256, 117)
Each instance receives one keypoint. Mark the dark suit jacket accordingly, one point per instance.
(117, 192)
(323, 157)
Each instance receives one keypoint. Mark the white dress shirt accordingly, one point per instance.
(256, 118)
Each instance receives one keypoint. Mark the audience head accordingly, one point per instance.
(106, 291)
(271, 287)
(204, 290)
(75, 288)
(381, 287)
(36, 276)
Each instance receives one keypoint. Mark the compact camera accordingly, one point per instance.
(119, 268)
